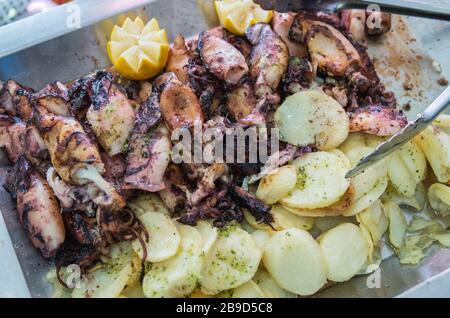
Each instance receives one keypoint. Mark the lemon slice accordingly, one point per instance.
(237, 15)
(138, 51)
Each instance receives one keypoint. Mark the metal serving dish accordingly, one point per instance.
(41, 49)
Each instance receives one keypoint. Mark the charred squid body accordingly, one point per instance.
(55, 99)
(16, 100)
(268, 60)
(20, 139)
(38, 208)
(377, 120)
(111, 115)
(179, 105)
(75, 157)
(148, 149)
(222, 59)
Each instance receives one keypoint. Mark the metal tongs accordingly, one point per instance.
(409, 132)
(404, 7)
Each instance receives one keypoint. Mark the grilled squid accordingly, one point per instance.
(179, 59)
(281, 25)
(222, 59)
(55, 99)
(377, 120)
(268, 60)
(179, 105)
(111, 115)
(16, 100)
(18, 139)
(38, 208)
(148, 150)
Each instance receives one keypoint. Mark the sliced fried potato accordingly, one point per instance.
(333, 210)
(342, 156)
(277, 184)
(209, 235)
(375, 220)
(109, 280)
(232, 261)
(406, 168)
(443, 122)
(312, 118)
(282, 220)
(164, 238)
(248, 290)
(397, 224)
(359, 139)
(345, 250)
(178, 276)
(149, 202)
(435, 144)
(294, 259)
(321, 181)
(369, 185)
(328, 222)
(417, 202)
(439, 198)
(261, 238)
(270, 287)
(419, 223)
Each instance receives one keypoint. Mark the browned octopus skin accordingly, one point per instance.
(178, 59)
(178, 103)
(241, 100)
(377, 120)
(268, 61)
(148, 150)
(38, 208)
(281, 25)
(332, 52)
(17, 100)
(55, 99)
(69, 146)
(172, 195)
(222, 59)
(354, 22)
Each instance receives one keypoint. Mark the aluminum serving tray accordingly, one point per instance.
(41, 49)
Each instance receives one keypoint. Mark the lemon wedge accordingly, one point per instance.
(138, 51)
(237, 15)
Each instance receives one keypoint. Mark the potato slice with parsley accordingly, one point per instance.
(375, 220)
(406, 168)
(321, 181)
(435, 144)
(345, 250)
(178, 276)
(164, 238)
(209, 235)
(232, 261)
(295, 260)
(277, 184)
(312, 118)
(369, 185)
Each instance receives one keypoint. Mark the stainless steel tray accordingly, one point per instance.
(415, 56)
